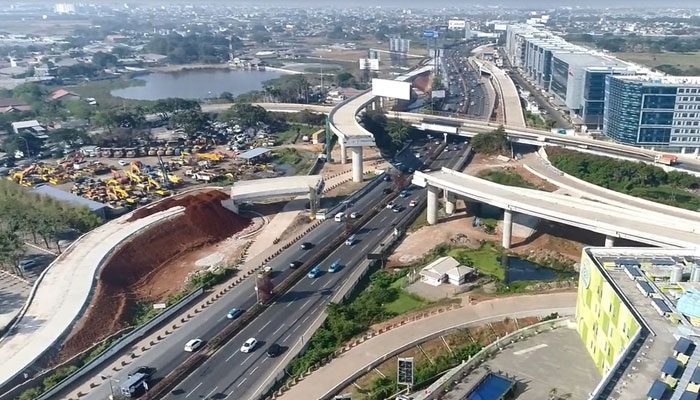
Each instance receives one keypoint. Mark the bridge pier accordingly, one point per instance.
(356, 164)
(449, 203)
(444, 136)
(609, 241)
(507, 228)
(343, 153)
(432, 206)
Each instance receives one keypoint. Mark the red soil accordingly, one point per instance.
(125, 279)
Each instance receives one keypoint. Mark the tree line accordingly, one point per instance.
(42, 218)
(389, 134)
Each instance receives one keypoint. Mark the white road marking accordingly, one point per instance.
(231, 356)
(243, 381)
(278, 329)
(210, 393)
(529, 349)
(247, 358)
(326, 284)
(364, 248)
(285, 339)
(305, 303)
(195, 388)
(289, 304)
(314, 281)
(265, 326)
(295, 328)
(304, 320)
(228, 395)
(254, 369)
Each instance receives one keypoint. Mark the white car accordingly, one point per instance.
(249, 345)
(355, 215)
(390, 205)
(122, 162)
(193, 345)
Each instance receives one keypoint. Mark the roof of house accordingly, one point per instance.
(57, 94)
(250, 154)
(9, 101)
(25, 124)
(442, 265)
(60, 195)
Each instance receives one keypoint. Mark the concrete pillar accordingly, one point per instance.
(444, 136)
(449, 203)
(356, 164)
(683, 150)
(432, 205)
(697, 151)
(343, 153)
(507, 228)
(609, 241)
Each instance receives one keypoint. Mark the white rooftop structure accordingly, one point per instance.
(445, 269)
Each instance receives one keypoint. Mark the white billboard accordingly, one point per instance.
(391, 88)
(438, 94)
(456, 24)
(371, 64)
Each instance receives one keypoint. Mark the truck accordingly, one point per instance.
(665, 159)
(135, 385)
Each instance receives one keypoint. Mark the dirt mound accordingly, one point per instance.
(124, 280)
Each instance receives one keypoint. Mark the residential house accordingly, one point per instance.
(446, 270)
(63, 95)
(8, 105)
(32, 127)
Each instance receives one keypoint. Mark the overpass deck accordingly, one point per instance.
(609, 220)
(508, 94)
(286, 186)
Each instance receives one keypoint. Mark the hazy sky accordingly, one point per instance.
(422, 3)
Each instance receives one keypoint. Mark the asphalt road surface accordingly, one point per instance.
(169, 354)
(232, 374)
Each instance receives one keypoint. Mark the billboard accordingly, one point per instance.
(371, 64)
(391, 88)
(405, 371)
(438, 94)
(456, 24)
(430, 34)
(359, 141)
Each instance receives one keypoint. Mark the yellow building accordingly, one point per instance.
(604, 322)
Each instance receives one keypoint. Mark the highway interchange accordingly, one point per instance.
(286, 320)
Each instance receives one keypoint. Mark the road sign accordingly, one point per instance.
(405, 371)
(430, 34)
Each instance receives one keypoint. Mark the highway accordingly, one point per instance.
(169, 354)
(236, 375)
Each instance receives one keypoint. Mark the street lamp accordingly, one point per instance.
(111, 388)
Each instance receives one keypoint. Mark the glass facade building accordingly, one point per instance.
(653, 111)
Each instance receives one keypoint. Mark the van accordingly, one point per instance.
(339, 217)
(350, 240)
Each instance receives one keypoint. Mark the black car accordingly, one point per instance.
(274, 350)
(306, 245)
(295, 264)
(386, 178)
(148, 371)
(386, 191)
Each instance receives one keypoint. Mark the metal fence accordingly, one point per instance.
(124, 342)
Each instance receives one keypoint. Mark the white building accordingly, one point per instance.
(446, 270)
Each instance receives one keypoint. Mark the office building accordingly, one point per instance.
(653, 110)
(399, 45)
(637, 314)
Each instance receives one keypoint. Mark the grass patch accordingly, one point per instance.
(682, 61)
(294, 132)
(420, 221)
(484, 259)
(300, 161)
(505, 177)
(404, 303)
(100, 90)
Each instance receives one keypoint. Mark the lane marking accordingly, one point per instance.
(243, 381)
(278, 329)
(264, 326)
(314, 281)
(210, 393)
(295, 328)
(306, 318)
(228, 395)
(285, 339)
(253, 371)
(247, 358)
(289, 304)
(326, 285)
(195, 388)
(306, 303)
(232, 354)
(530, 349)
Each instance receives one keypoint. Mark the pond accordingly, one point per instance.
(518, 269)
(196, 84)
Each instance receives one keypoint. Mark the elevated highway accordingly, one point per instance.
(613, 221)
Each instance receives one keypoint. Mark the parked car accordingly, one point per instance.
(335, 266)
(274, 350)
(295, 264)
(306, 245)
(234, 313)
(193, 345)
(314, 273)
(249, 345)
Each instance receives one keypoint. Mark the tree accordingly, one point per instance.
(494, 142)
(29, 92)
(80, 109)
(23, 142)
(191, 121)
(104, 60)
(398, 131)
(345, 79)
(121, 51)
(248, 115)
(70, 136)
(11, 249)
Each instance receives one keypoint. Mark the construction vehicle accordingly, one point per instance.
(134, 178)
(665, 159)
(203, 176)
(210, 156)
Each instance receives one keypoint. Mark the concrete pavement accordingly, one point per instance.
(326, 378)
(58, 298)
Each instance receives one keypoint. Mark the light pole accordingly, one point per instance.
(111, 388)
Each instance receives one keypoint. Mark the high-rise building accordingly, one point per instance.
(64, 8)
(399, 45)
(637, 315)
(653, 110)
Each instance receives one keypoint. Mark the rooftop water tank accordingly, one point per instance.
(695, 273)
(676, 274)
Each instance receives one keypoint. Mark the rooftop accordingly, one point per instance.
(663, 80)
(647, 280)
(588, 60)
(251, 154)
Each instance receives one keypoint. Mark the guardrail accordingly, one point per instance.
(122, 343)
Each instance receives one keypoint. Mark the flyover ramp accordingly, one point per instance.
(613, 221)
(286, 186)
(61, 294)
